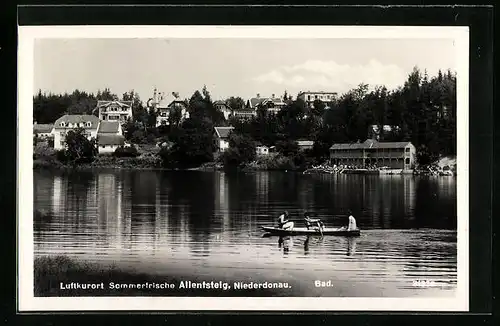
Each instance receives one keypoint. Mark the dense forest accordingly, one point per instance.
(422, 111)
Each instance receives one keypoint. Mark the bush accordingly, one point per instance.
(126, 152)
(61, 155)
(167, 157)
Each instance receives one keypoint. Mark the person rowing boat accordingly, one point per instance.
(283, 222)
(313, 221)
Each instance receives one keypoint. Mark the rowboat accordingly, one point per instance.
(315, 231)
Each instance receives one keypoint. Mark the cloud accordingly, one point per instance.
(331, 76)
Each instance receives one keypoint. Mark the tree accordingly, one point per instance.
(241, 150)
(235, 103)
(192, 143)
(79, 149)
(287, 147)
(175, 116)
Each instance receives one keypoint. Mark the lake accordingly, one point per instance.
(205, 226)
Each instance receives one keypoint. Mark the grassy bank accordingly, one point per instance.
(50, 272)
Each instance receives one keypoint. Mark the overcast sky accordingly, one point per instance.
(233, 67)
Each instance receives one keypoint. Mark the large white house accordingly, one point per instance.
(109, 134)
(115, 110)
(309, 97)
(90, 123)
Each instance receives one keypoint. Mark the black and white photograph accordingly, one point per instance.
(249, 168)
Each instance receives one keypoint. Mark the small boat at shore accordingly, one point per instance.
(304, 231)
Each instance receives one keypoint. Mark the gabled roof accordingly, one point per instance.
(255, 101)
(109, 127)
(275, 101)
(77, 118)
(223, 132)
(371, 144)
(222, 103)
(110, 140)
(123, 104)
(43, 128)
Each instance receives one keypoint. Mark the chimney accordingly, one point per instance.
(272, 95)
(258, 95)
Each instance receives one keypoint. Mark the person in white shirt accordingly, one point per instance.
(351, 226)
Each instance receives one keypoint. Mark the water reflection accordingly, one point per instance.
(210, 222)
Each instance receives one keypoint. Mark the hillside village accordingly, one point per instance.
(358, 130)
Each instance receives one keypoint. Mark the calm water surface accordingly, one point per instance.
(206, 226)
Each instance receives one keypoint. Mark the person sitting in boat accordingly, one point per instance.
(313, 221)
(283, 222)
(351, 224)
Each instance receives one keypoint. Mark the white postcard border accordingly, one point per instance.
(26, 299)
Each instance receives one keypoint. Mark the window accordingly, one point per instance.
(89, 124)
(407, 160)
(63, 124)
(308, 97)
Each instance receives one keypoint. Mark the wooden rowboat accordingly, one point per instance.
(312, 231)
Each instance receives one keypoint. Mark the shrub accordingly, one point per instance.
(122, 151)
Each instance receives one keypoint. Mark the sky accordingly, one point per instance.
(233, 67)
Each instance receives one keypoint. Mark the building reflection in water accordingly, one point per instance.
(222, 200)
(57, 195)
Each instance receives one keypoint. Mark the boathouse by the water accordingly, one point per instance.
(394, 155)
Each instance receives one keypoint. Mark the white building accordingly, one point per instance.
(262, 150)
(222, 138)
(107, 144)
(89, 123)
(272, 104)
(309, 97)
(109, 137)
(164, 105)
(43, 130)
(115, 110)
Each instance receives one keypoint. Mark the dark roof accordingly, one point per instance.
(254, 101)
(77, 118)
(369, 143)
(109, 127)
(110, 140)
(222, 103)
(223, 132)
(43, 128)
